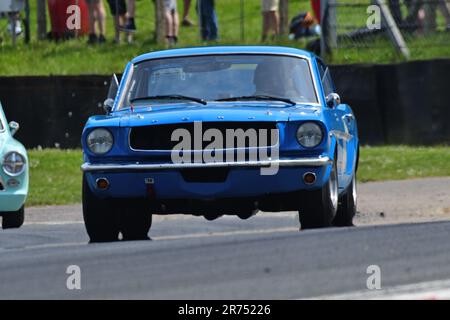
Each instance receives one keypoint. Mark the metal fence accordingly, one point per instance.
(402, 25)
(241, 21)
(405, 25)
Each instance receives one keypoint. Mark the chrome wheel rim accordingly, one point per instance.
(333, 187)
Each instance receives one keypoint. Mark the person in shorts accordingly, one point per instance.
(96, 17)
(172, 22)
(118, 9)
(271, 21)
(130, 25)
(186, 8)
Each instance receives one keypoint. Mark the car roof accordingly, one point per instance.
(222, 50)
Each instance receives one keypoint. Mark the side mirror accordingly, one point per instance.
(13, 127)
(108, 105)
(333, 100)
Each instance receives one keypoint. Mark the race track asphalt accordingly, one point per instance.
(264, 257)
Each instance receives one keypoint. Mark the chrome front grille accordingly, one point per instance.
(158, 137)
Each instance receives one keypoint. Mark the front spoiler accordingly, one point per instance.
(129, 167)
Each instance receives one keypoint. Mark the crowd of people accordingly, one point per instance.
(420, 14)
(124, 11)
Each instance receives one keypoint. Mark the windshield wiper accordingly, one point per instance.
(170, 97)
(259, 97)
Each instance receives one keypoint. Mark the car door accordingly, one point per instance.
(343, 127)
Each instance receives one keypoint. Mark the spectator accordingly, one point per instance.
(315, 5)
(15, 24)
(419, 17)
(394, 6)
(96, 16)
(118, 10)
(186, 8)
(270, 18)
(130, 26)
(208, 20)
(171, 20)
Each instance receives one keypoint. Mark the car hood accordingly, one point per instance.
(175, 113)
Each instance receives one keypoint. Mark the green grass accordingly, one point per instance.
(75, 57)
(55, 175)
(402, 162)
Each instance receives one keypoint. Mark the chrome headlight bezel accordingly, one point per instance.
(309, 134)
(10, 160)
(100, 141)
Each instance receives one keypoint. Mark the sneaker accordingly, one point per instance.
(17, 29)
(187, 23)
(101, 39)
(172, 40)
(169, 41)
(130, 26)
(92, 38)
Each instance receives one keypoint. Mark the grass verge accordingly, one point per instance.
(75, 57)
(403, 162)
(55, 176)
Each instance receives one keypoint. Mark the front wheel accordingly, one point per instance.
(347, 206)
(12, 220)
(100, 216)
(319, 207)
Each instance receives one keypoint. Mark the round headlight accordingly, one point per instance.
(13, 164)
(100, 141)
(309, 135)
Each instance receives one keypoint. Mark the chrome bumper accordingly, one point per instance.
(302, 162)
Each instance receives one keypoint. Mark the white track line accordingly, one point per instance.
(432, 290)
(162, 238)
(52, 223)
(225, 233)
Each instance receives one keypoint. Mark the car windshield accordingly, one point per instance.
(220, 77)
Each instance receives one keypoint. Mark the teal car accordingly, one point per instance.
(13, 175)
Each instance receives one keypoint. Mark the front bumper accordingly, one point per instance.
(11, 202)
(13, 198)
(244, 179)
(303, 162)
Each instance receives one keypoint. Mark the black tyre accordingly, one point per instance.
(12, 220)
(319, 207)
(135, 219)
(100, 216)
(347, 206)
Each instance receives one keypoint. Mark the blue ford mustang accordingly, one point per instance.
(219, 130)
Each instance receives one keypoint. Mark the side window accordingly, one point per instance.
(325, 76)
